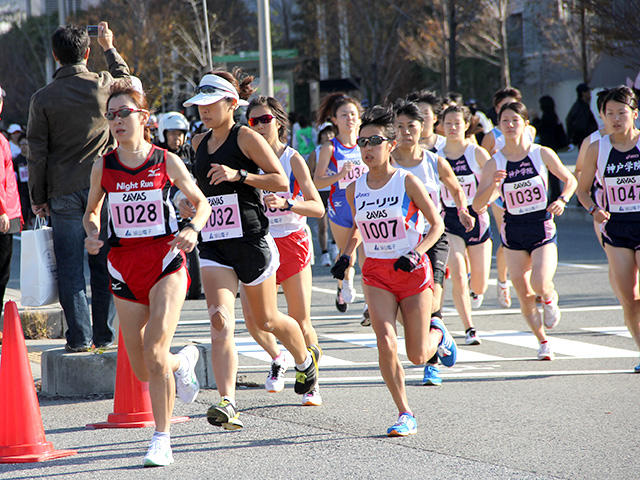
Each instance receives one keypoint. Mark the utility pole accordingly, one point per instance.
(264, 35)
(206, 30)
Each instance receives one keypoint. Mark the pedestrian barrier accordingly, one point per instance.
(131, 401)
(22, 437)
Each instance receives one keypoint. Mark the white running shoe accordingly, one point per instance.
(366, 318)
(312, 398)
(544, 352)
(187, 385)
(551, 312)
(476, 300)
(471, 337)
(325, 260)
(159, 453)
(504, 295)
(275, 378)
(348, 291)
(333, 251)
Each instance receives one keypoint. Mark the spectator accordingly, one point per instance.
(15, 131)
(304, 137)
(550, 134)
(10, 218)
(22, 175)
(67, 133)
(580, 120)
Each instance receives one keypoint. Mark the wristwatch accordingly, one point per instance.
(592, 209)
(243, 175)
(192, 227)
(562, 199)
(290, 204)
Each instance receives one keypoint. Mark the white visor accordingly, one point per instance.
(219, 88)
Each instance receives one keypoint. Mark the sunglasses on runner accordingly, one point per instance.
(261, 119)
(373, 140)
(209, 89)
(124, 112)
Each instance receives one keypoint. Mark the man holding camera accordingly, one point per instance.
(67, 132)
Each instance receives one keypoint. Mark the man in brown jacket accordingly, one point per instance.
(67, 132)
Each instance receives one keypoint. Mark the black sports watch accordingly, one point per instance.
(243, 175)
(192, 227)
(290, 204)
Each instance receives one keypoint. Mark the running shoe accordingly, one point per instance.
(224, 415)
(333, 251)
(325, 261)
(312, 398)
(476, 300)
(544, 352)
(504, 295)
(636, 369)
(366, 320)
(471, 337)
(306, 379)
(341, 305)
(187, 385)
(431, 375)
(159, 453)
(406, 425)
(551, 312)
(317, 351)
(447, 349)
(275, 378)
(348, 290)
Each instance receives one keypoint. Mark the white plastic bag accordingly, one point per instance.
(38, 270)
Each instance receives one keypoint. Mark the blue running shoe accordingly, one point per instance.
(447, 349)
(406, 425)
(431, 375)
(636, 369)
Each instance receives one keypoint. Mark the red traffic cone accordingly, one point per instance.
(22, 437)
(131, 401)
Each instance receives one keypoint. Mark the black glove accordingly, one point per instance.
(408, 262)
(340, 267)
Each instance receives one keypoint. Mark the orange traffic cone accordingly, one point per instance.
(22, 437)
(131, 401)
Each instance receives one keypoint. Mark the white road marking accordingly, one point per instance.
(332, 292)
(619, 331)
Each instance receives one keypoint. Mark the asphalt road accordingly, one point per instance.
(499, 414)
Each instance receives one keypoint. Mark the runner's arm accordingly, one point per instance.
(420, 197)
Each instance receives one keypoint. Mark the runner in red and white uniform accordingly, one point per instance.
(615, 161)
(338, 165)
(469, 283)
(390, 206)
(287, 213)
(519, 173)
(146, 261)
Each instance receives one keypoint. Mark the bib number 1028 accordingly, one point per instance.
(136, 214)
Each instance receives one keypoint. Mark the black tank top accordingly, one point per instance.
(254, 221)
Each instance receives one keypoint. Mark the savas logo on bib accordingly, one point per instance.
(624, 180)
(376, 214)
(133, 197)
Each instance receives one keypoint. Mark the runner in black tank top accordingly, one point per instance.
(235, 244)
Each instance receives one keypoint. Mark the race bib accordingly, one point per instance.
(623, 194)
(525, 196)
(224, 222)
(383, 235)
(469, 186)
(137, 214)
(356, 172)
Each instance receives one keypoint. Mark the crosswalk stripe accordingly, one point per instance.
(561, 346)
(618, 331)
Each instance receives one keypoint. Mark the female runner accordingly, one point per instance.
(339, 164)
(613, 160)
(596, 189)
(389, 206)
(430, 106)
(518, 172)
(146, 261)
(466, 160)
(235, 244)
(287, 213)
(492, 142)
(431, 170)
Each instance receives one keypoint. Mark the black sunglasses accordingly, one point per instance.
(122, 113)
(373, 140)
(209, 89)
(253, 121)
